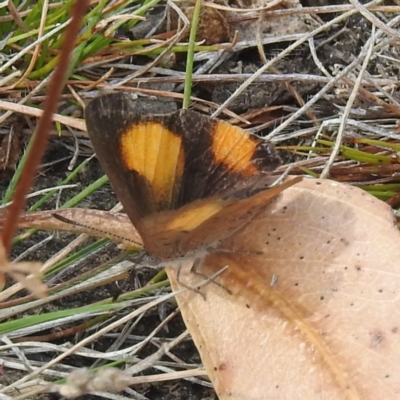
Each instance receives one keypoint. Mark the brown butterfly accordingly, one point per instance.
(185, 180)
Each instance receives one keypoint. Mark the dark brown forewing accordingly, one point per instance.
(107, 118)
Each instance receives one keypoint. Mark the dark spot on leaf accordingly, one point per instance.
(377, 338)
(345, 241)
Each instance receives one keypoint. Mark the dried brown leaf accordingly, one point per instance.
(98, 223)
(308, 307)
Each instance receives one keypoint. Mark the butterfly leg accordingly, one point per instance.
(211, 278)
(196, 290)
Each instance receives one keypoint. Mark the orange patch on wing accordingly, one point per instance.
(155, 153)
(234, 148)
(189, 218)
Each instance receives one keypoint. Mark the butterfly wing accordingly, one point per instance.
(159, 162)
(141, 157)
(219, 157)
(230, 219)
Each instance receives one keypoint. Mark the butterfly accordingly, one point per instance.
(185, 180)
